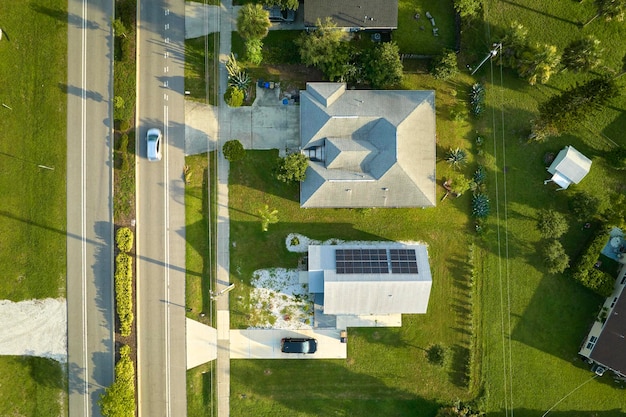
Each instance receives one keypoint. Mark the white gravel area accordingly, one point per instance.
(278, 300)
(34, 328)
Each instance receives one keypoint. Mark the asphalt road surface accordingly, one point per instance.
(160, 211)
(89, 205)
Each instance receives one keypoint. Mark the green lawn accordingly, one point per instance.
(545, 316)
(201, 69)
(32, 132)
(416, 36)
(200, 267)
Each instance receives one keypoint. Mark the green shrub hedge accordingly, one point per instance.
(585, 271)
(118, 400)
(124, 292)
(124, 239)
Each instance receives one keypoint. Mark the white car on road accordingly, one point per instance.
(153, 141)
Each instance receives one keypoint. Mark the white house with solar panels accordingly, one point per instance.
(367, 285)
(367, 148)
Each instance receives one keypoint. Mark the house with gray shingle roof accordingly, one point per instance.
(367, 148)
(353, 15)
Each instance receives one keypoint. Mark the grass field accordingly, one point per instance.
(200, 68)
(32, 221)
(545, 316)
(200, 252)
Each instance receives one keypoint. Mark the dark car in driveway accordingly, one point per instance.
(298, 345)
(278, 15)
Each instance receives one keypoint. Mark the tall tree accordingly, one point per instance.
(467, 8)
(555, 257)
(382, 65)
(609, 9)
(537, 63)
(325, 48)
(253, 22)
(514, 42)
(582, 54)
(564, 111)
(284, 4)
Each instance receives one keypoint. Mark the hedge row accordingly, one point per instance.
(118, 400)
(585, 271)
(124, 292)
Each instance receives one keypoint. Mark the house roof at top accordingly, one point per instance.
(610, 348)
(372, 293)
(569, 166)
(379, 147)
(353, 13)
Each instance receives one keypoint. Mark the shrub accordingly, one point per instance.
(234, 96)
(124, 125)
(584, 269)
(254, 51)
(555, 258)
(445, 65)
(233, 151)
(551, 224)
(477, 99)
(124, 292)
(436, 355)
(123, 144)
(292, 168)
(480, 175)
(480, 206)
(456, 157)
(118, 400)
(124, 239)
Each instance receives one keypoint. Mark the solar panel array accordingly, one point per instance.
(403, 261)
(375, 261)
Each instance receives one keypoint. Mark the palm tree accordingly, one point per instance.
(582, 54)
(253, 21)
(609, 9)
(538, 63)
(267, 217)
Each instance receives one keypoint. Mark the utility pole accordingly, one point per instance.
(492, 53)
(224, 291)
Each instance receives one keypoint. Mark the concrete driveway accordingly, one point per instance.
(265, 344)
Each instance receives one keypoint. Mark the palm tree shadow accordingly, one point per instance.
(577, 24)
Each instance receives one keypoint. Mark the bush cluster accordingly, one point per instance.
(477, 99)
(585, 271)
(124, 292)
(234, 96)
(124, 239)
(118, 400)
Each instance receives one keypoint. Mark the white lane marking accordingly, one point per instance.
(167, 40)
(83, 203)
(167, 26)
(167, 12)
(166, 84)
(166, 69)
(167, 260)
(166, 97)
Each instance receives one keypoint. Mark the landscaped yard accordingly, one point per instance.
(528, 324)
(32, 221)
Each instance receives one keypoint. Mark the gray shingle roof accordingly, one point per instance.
(353, 13)
(379, 147)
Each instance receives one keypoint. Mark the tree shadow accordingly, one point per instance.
(79, 92)
(46, 372)
(551, 16)
(64, 16)
(331, 389)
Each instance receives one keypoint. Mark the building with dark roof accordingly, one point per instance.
(367, 148)
(353, 15)
(605, 345)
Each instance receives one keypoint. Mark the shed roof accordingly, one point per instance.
(569, 166)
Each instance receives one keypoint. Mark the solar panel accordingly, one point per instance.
(403, 261)
(361, 261)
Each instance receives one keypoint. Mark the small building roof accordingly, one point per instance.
(381, 286)
(570, 166)
(377, 148)
(610, 348)
(365, 14)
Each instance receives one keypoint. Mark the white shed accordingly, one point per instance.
(569, 166)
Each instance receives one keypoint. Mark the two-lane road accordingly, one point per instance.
(160, 211)
(89, 205)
